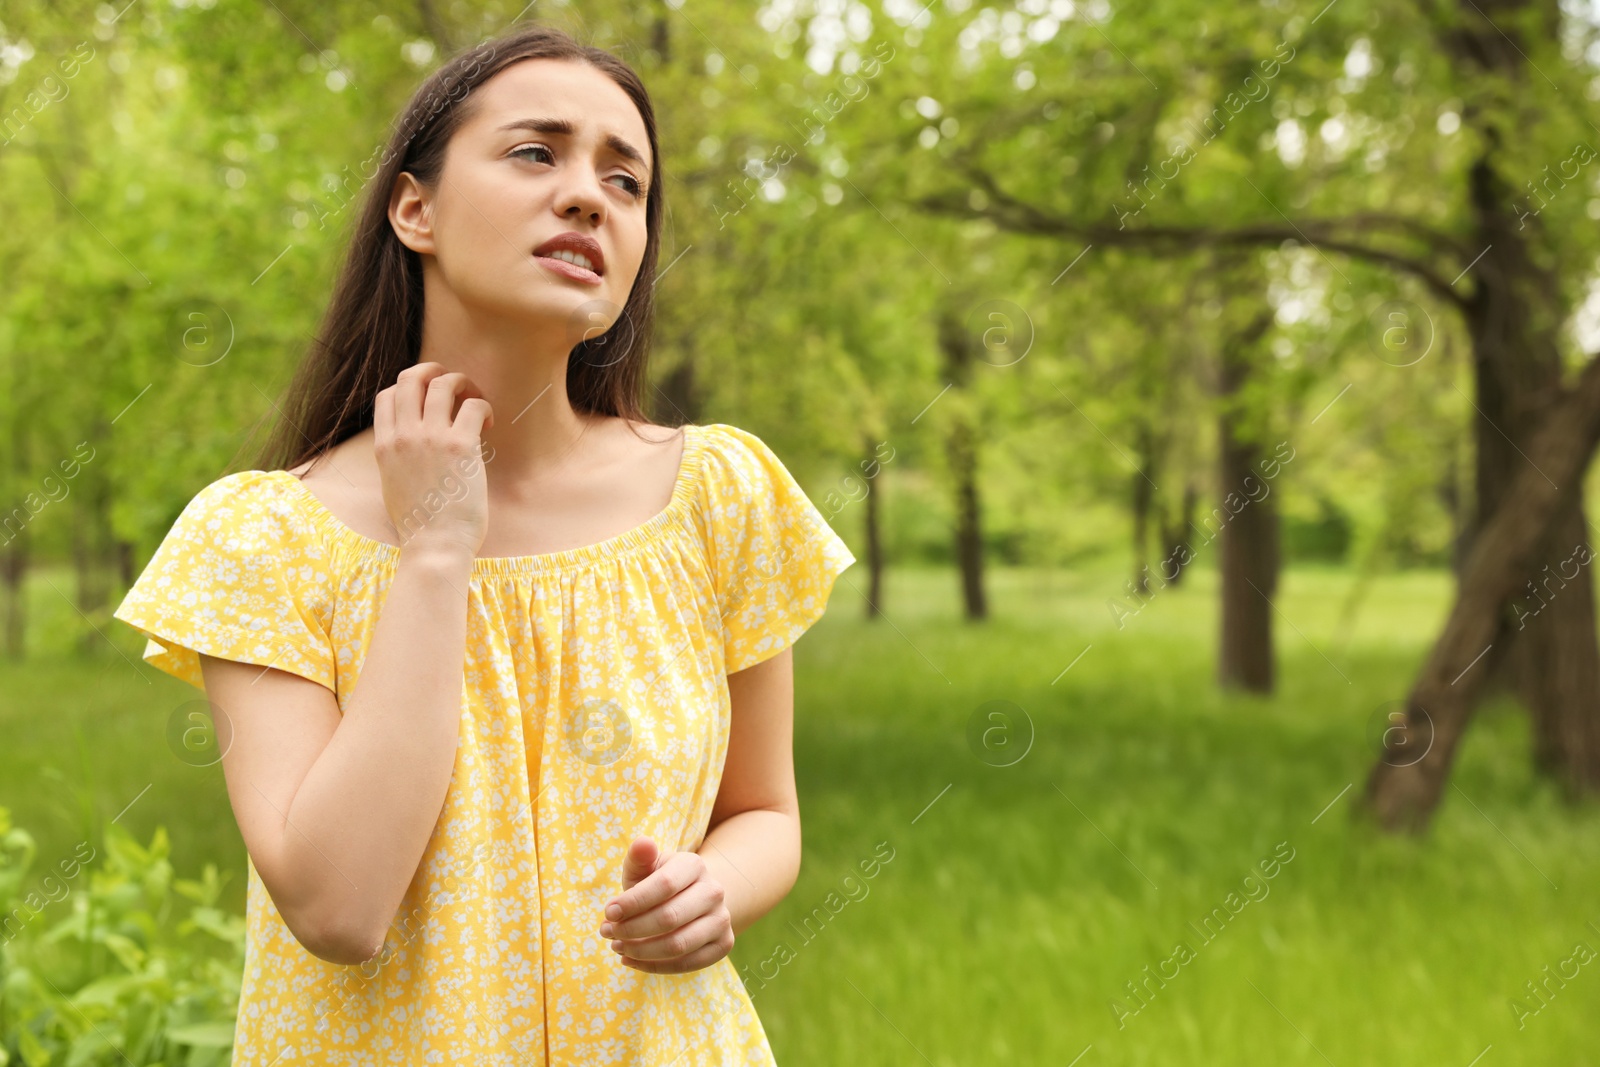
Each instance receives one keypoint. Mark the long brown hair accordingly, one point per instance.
(372, 329)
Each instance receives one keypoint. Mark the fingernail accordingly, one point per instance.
(614, 912)
(616, 946)
(605, 929)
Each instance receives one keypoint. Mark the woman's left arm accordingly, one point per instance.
(753, 845)
(680, 911)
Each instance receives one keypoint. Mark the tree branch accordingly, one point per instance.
(1018, 216)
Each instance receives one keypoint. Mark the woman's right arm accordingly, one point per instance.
(336, 811)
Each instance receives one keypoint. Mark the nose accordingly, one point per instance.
(582, 197)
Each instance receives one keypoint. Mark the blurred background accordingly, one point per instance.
(1205, 390)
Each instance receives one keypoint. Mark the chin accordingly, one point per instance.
(567, 309)
(585, 315)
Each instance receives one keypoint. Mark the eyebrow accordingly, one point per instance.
(562, 127)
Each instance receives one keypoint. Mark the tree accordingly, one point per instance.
(1403, 790)
(1512, 281)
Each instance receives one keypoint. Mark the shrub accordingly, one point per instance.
(97, 966)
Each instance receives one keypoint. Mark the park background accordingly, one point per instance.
(1205, 389)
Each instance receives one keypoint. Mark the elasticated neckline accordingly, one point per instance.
(683, 492)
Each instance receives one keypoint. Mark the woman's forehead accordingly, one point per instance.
(575, 93)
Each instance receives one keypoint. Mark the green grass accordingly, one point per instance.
(1011, 915)
(1023, 898)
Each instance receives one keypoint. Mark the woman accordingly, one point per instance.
(501, 671)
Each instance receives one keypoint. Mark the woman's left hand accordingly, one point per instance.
(670, 916)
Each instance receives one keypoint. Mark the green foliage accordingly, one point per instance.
(191, 195)
(107, 958)
(1325, 538)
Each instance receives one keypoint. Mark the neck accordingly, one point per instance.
(521, 369)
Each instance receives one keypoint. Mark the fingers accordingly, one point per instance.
(700, 944)
(410, 386)
(701, 898)
(705, 930)
(425, 395)
(674, 876)
(673, 918)
(439, 401)
(383, 414)
(475, 416)
(638, 861)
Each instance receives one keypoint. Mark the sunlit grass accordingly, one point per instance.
(1019, 906)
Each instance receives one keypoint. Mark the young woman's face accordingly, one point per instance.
(553, 149)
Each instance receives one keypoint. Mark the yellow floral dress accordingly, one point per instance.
(595, 709)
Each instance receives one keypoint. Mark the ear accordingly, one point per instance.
(411, 214)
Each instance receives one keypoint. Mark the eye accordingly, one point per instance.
(633, 188)
(533, 148)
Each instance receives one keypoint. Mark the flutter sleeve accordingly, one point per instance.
(241, 576)
(774, 556)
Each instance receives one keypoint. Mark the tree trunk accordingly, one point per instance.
(125, 564)
(874, 539)
(1249, 573)
(959, 350)
(14, 572)
(1553, 661)
(679, 395)
(1175, 538)
(14, 529)
(660, 39)
(1552, 657)
(1248, 520)
(963, 453)
(1403, 789)
(1143, 486)
(1453, 492)
(93, 549)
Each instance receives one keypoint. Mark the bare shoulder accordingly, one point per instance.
(652, 450)
(351, 460)
(346, 481)
(648, 431)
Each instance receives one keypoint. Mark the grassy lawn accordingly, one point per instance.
(1018, 903)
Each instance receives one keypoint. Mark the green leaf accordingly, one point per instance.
(204, 1035)
(33, 1053)
(126, 950)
